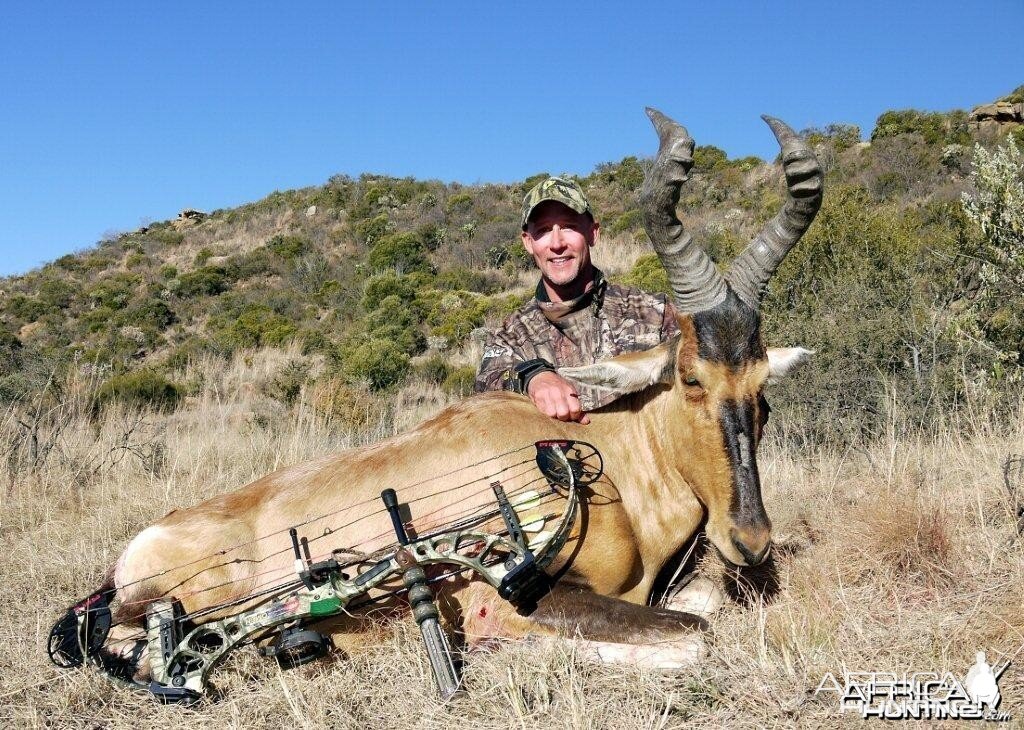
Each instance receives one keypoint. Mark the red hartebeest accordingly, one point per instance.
(679, 449)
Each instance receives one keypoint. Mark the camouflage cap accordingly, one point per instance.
(564, 191)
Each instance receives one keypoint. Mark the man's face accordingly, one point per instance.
(559, 239)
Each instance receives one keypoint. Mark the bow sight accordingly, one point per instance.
(181, 652)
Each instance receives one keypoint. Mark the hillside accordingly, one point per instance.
(375, 282)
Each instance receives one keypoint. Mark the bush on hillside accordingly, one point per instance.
(256, 325)
(25, 308)
(460, 381)
(403, 252)
(996, 207)
(372, 230)
(381, 363)
(152, 313)
(143, 389)
(631, 220)
(206, 281)
(58, 293)
(935, 127)
(708, 158)
(386, 284)
(115, 290)
(288, 248)
(648, 274)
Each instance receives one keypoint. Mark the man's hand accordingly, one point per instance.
(554, 396)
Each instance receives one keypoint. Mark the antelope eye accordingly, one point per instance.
(690, 380)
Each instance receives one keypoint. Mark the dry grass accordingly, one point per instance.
(899, 557)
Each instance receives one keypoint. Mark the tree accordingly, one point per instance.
(997, 207)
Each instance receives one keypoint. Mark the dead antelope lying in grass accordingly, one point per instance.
(677, 450)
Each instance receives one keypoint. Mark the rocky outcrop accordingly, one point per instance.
(994, 119)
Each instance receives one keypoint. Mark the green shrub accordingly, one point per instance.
(934, 127)
(707, 158)
(391, 311)
(152, 313)
(840, 136)
(409, 340)
(648, 274)
(137, 261)
(460, 381)
(257, 262)
(10, 350)
(531, 181)
(313, 341)
(164, 235)
(403, 252)
(432, 235)
(25, 308)
(458, 203)
(628, 221)
(511, 255)
(286, 385)
(380, 362)
(461, 278)
(372, 230)
(98, 319)
(453, 315)
(69, 262)
(168, 271)
(288, 248)
(257, 325)
(143, 388)
(206, 281)
(203, 256)
(387, 284)
(96, 262)
(630, 174)
(57, 293)
(434, 369)
(115, 290)
(187, 351)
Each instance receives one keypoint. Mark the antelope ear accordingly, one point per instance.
(783, 360)
(631, 371)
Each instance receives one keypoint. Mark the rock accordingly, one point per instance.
(994, 119)
(191, 214)
(217, 260)
(311, 211)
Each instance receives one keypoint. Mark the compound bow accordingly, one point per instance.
(181, 654)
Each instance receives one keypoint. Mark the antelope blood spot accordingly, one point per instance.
(483, 612)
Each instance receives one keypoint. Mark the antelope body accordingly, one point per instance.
(679, 450)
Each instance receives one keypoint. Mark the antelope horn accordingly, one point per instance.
(696, 283)
(750, 271)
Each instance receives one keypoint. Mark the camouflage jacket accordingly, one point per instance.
(606, 321)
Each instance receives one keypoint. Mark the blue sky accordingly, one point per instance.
(112, 114)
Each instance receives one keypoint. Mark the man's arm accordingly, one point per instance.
(508, 365)
(498, 366)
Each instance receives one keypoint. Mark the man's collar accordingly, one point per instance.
(556, 310)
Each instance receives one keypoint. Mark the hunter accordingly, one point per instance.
(576, 317)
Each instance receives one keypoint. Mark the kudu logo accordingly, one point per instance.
(921, 695)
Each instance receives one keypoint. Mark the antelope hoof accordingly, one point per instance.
(700, 596)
